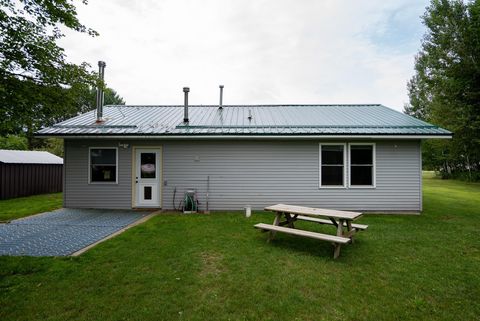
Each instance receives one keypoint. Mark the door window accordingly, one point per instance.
(147, 165)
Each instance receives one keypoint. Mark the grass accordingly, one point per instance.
(24, 206)
(217, 267)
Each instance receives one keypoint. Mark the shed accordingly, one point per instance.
(24, 173)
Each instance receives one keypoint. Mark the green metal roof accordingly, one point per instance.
(272, 120)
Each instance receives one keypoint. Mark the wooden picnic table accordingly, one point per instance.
(342, 220)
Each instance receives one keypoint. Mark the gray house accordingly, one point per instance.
(352, 157)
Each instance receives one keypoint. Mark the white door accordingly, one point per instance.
(147, 177)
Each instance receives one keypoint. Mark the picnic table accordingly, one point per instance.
(341, 220)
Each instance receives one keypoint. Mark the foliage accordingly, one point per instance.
(446, 87)
(111, 97)
(53, 145)
(28, 106)
(29, 30)
(218, 267)
(13, 142)
(38, 87)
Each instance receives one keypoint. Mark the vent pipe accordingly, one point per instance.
(100, 97)
(221, 97)
(185, 111)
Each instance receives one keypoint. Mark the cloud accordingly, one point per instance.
(263, 51)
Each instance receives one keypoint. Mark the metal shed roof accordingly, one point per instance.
(233, 120)
(28, 157)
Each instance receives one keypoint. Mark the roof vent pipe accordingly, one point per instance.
(185, 111)
(221, 97)
(100, 97)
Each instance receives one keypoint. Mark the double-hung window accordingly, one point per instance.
(103, 164)
(362, 165)
(332, 165)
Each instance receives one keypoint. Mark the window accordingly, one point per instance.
(332, 165)
(362, 165)
(147, 165)
(103, 165)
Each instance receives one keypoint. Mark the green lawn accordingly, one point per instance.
(23, 206)
(218, 267)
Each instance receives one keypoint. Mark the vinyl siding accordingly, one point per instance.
(256, 173)
(80, 194)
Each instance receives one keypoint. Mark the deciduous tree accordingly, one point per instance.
(445, 89)
(38, 86)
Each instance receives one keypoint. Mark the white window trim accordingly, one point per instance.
(344, 166)
(374, 167)
(90, 171)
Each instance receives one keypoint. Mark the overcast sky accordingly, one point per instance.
(263, 51)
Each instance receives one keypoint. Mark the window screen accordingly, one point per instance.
(361, 165)
(103, 165)
(332, 165)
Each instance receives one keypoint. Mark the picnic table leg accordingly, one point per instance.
(336, 252)
(276, 222)
(349, 230)
(290, 220)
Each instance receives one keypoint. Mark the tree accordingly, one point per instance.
(29, 30)
(111, 97)
(445, 89)
(13, 142)
(38, 86)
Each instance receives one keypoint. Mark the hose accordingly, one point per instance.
(174, 193)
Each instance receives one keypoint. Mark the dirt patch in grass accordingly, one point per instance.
(211, 263)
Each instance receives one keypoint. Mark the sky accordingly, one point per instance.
(262, 51)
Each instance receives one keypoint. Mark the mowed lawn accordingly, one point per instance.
(24, 206)
(218, 267)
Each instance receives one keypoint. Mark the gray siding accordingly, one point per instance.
(78, 191)
(257, 173)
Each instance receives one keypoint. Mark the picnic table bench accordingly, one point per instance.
(342, 220)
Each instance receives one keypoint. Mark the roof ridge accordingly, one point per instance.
(253, 105)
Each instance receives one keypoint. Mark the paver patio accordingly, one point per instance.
(62, 232)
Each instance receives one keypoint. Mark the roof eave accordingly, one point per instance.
(248, 136)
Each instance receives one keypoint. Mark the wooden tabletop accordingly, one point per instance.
(302, 210)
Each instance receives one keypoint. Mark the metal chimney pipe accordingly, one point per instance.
(100, 97)
(185, 111)
(221, 97)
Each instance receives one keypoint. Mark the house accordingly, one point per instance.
(352, 157)
(24, 173)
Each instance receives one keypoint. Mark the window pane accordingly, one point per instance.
(332, 154)
(361, 154)
(361, 175)
(103, 156)
(147, 192)
(147, 166)
(332, 175)
(103, 173)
